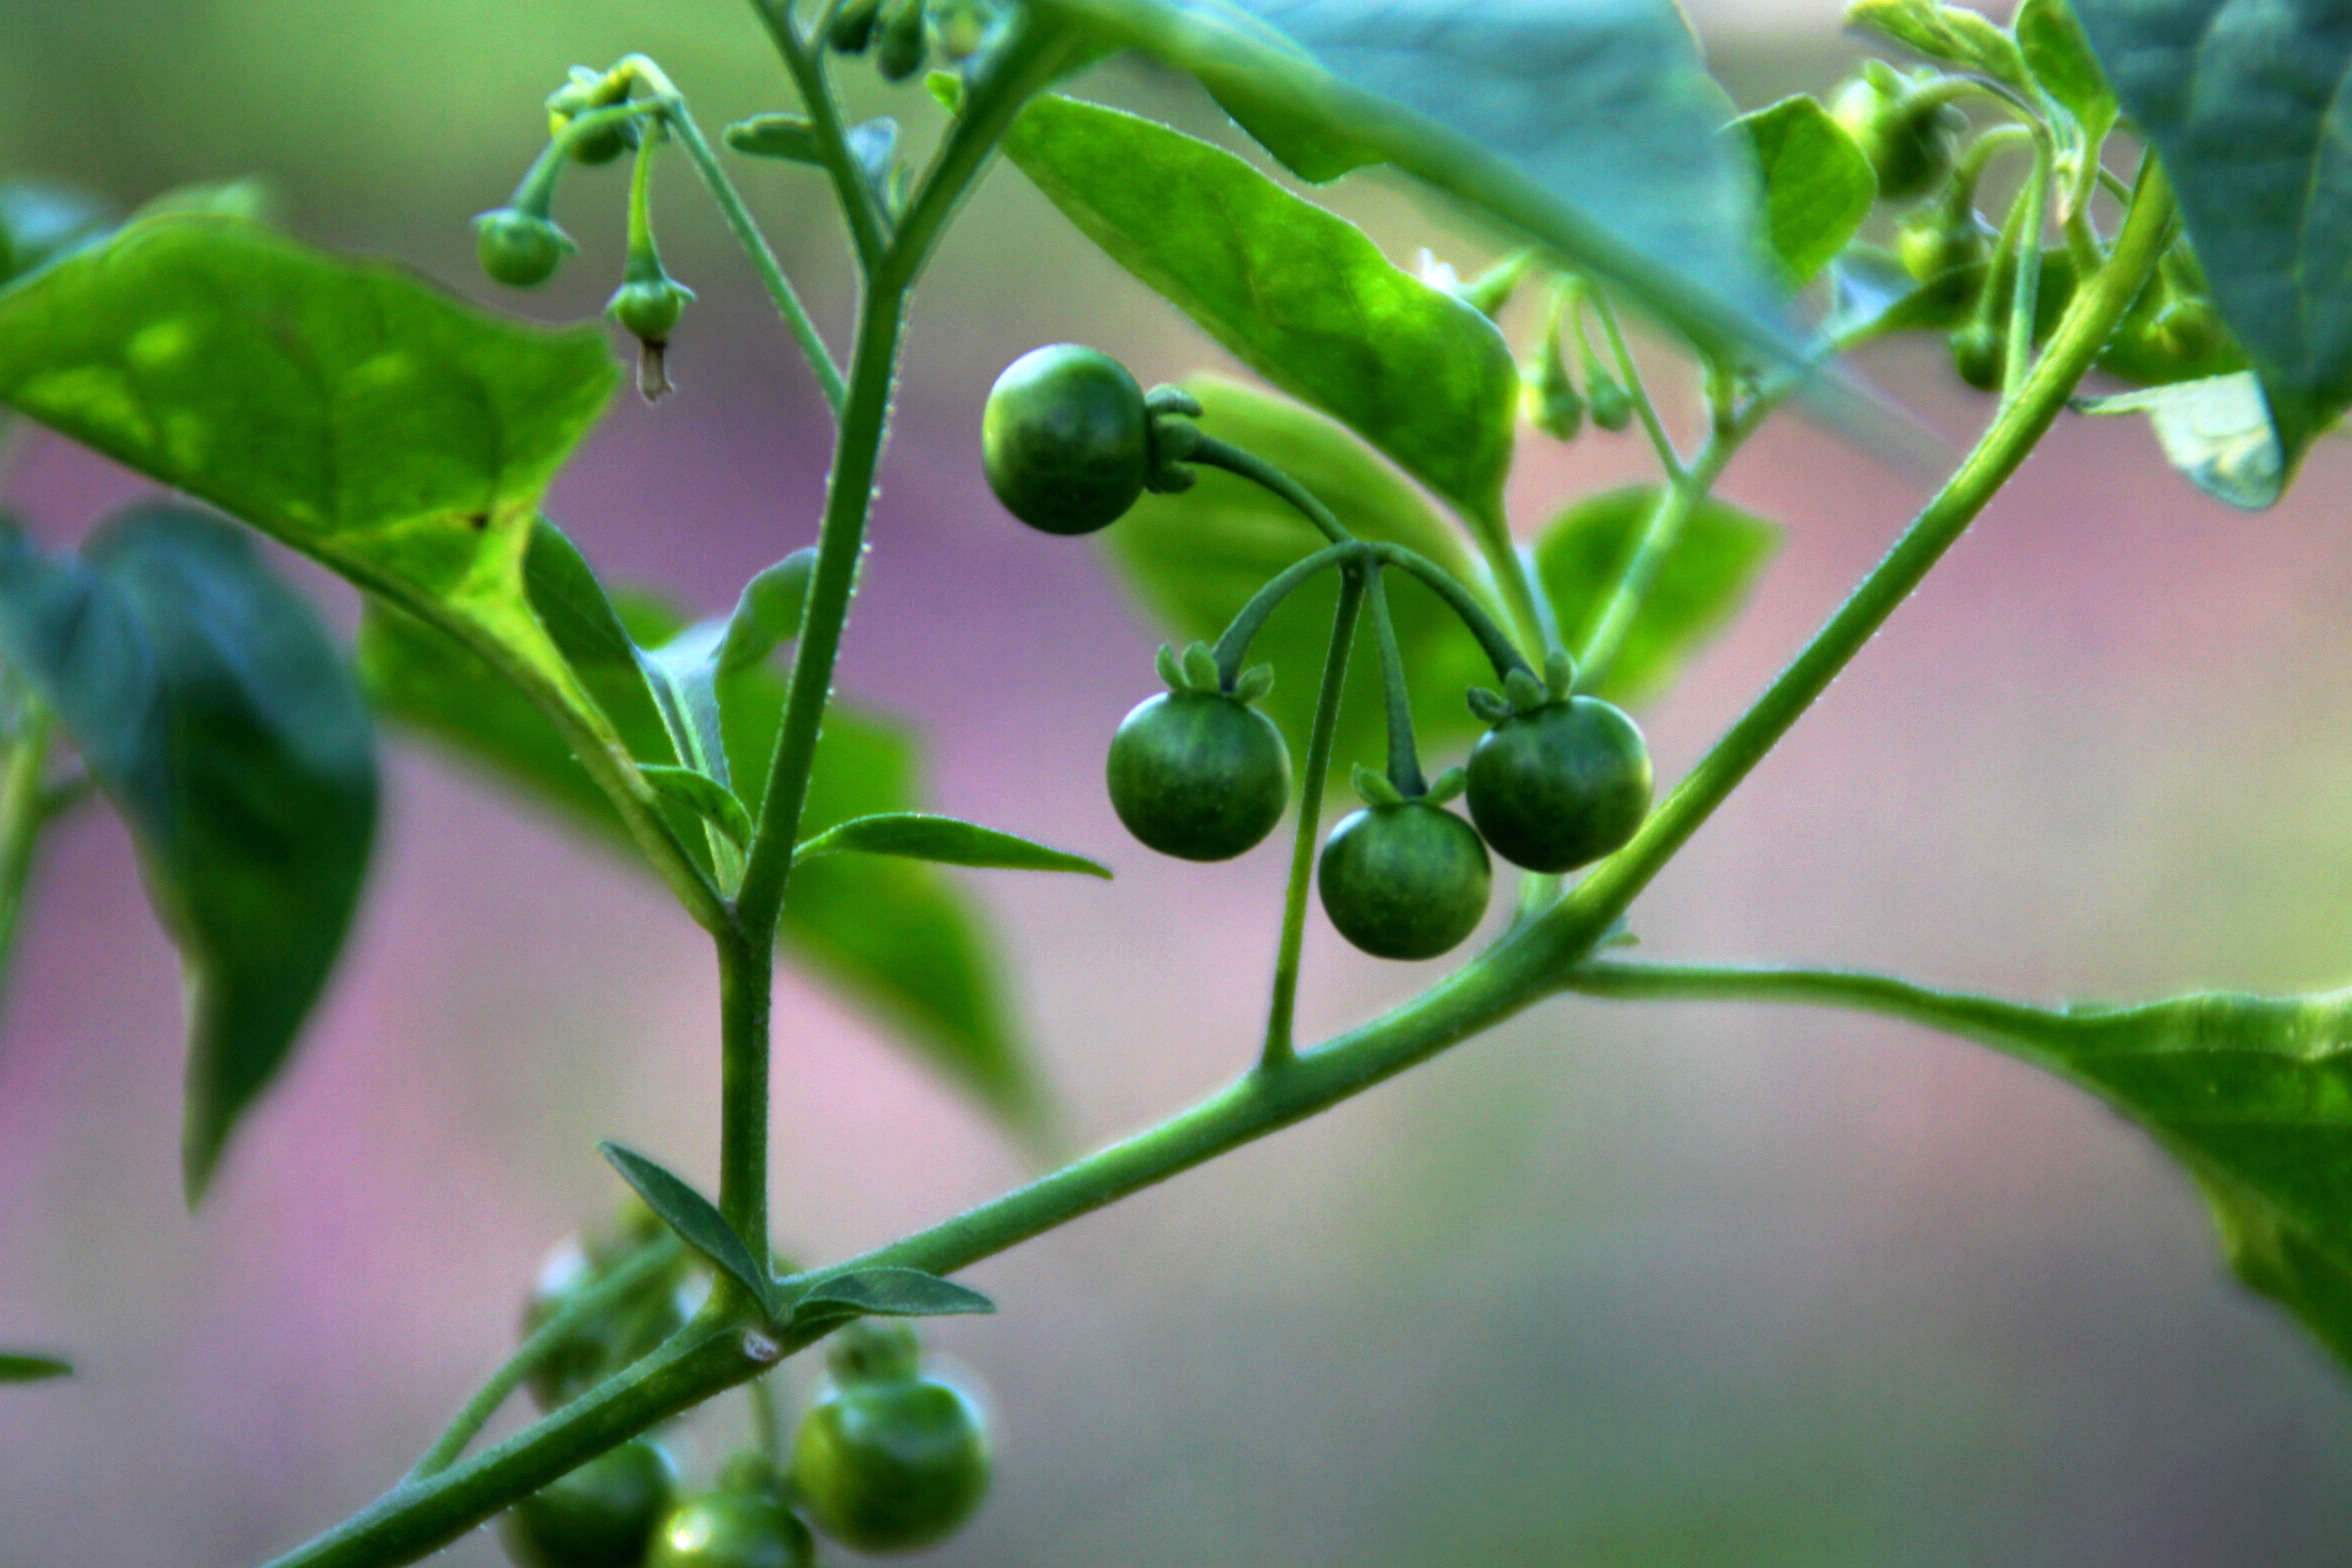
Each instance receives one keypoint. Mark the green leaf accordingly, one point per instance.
(768, 612)
(1700, 585)
(2244, 100)
(1951, 34)
(696, 1220)
(40, 222)
(1818, 183)
(947, 841)
(787, 136)
(17, 1366)
(1588, 128)
(703, 795)
(214, 709)
(347, 408)
(2060, 60)
(1300, 296)
(2216, 431)
(888, 1292)
(898, 935)
(1194, 559)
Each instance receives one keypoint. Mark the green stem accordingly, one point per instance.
(805, 62)
(1985, 1018)
(24, 810)
(747, 965)
(1629, 374)
(1214, 453)
(767, 1422)
(2025, 294)
(1233, 644)
(1501, 652)
(1280, 1016)
(659, 1256)
(1685, 489)
(2095, 309)
(1404, 761)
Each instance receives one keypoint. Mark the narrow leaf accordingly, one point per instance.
(768, 613)
(1818, 184)
(218, 715)
(2245, 102)
(705, 796)
(889, 1292)
(1699, 586)
(18, 1366)
(697, 1221)
(917, 835)
(1299, 295)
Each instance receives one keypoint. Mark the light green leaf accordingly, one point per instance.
(703, 795)
(1699, 587)
(351, 410)
(2217, 431)
(1951, 34)
(2060, 61)
(898, 935)
(17, 1366)
(888, 1292)
(1818, 183)
(218, 715)
(2245, 102)
(768, 612)
(1194, 559)
(947, 841)
(697, 1222)
(1588, 128)
(1301, 296)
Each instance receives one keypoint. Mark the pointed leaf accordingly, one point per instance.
(2245, 102)
(18, 1366)
(948, 841)
(888, 1292)
(1299, 295)
(768, 614)
(1818, 183)
(1699, 586)
(218, 715)
(696, 1220)
(1950, 34)
(705, 796)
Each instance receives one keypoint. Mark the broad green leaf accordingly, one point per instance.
(218, 715)
(1588, 128)
(1818, 183)
(696, 1220)
(898, 935)
(1195, 559)
(1300, 296)
(2218, 432)
(703, 795)
(346, 407)
(1951, 34)
(17, 1366)
(40, 222)
(2245, 102)
(1700, 585)
(888, 1292)
(947, 841)
(2059, 58)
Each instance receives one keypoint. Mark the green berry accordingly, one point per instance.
(891, 1464)
(734, 1527)
(1199, 775)
(519, 249)
(601, 1515)
(1404, 881)
(1909, 144)
(1066, 439)
(648, 308)
(1560, 786)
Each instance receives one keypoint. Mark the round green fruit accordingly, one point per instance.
(891, 1464)
(601, 1515)
(735, 1527)
(518, 249)
(1065, 439)
(648, 309)
(1404, 881)
(1561, 786)
(1198, 775)
(1976, 355)
(1909, 145)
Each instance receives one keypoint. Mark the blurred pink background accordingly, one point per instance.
(1613, 1285)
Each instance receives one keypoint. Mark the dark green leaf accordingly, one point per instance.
(1301, 296)
(897, 934)
(217, 713)
(697, 1221)
(948, 841)
(888, 1292)
(1705, 576)
(703, 795)
(2245, 102)
(1589, 127)
(18, 1366)
(1194, 559)
(1951, 34)
(2218, 432)
(1818, 184)
(351, 410)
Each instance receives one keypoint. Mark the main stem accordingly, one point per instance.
(747, 964)
(1279, 1017)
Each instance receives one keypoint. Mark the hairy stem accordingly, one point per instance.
(804, 60)
(747, 966)
(1280, 1016)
